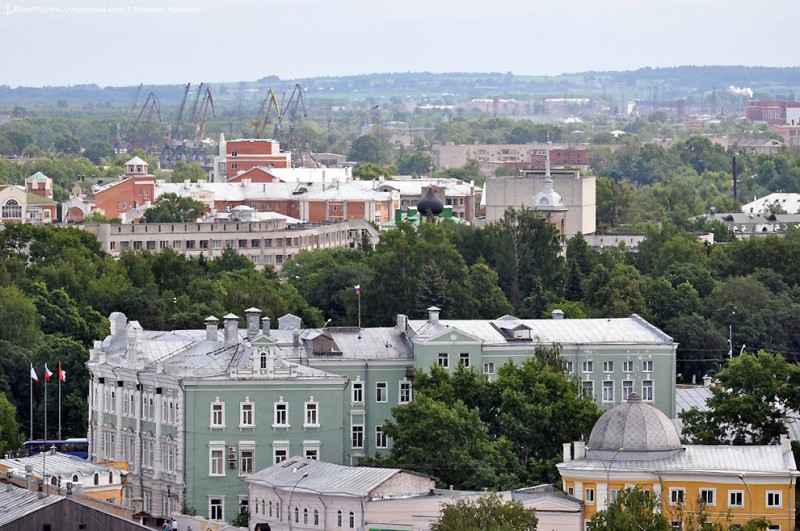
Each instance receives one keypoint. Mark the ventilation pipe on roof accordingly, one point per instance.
(296, 339)
(253, 317)
(211, 328)
(567, 452)
(266, 324)
(580, 450)
(231, 329)
(433, 315)
(558, 314)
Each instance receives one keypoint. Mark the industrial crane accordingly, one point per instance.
(118, 143)
(149, 109)
(262, 120)
(173, 149)
(288, 120)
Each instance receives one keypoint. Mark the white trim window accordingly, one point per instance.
(647, 366)
(708, 497)
(444, 360)
(216, 458)
(281, 414)
(381, 392)
(247, 459)
(647, 390)
(280, 451)
(463, 359)
(216, 507)
(569, 367)
(587, 387)
(311, 417)
(589, 496)
(358, 393)
(217, 421)
(627, 389)
(627, 366)
(774, 499)
(357, 435)
(247, 414)
(608, 391)
(381, 440)
(608, 366)
(311, 449)
(405, 392)
(677, 496)
(588, 366)
(735, 498)
(488, 368)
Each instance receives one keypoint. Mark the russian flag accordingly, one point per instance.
(47, 373)
(358, 289)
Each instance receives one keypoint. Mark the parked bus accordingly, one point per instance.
(78, 447)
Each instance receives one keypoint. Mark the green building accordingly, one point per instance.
(196, 412)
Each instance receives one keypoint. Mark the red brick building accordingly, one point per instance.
(772, 112)
(134, 189)
(246, 153)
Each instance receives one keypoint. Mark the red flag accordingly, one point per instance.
(47, 373)
(34, 377)
(62, 374)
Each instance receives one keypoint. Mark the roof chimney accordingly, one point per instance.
(253, 316)
(211, 328)
(231, 329)
(433, 315)
(558, 314)
(266, 324)
(296, 339)
(580, 450)
(567, 452)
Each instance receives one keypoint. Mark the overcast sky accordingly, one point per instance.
(177, 41)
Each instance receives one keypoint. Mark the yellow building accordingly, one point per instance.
(636, 444)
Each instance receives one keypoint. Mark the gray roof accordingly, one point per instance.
(322, 477)
(628, 330)
(634, 427)
(755, 460)
(19, 503)
(56, 464)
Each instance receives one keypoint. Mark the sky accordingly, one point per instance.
(127, 42)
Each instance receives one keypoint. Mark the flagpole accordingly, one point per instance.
(45, 404)
(30, 380)
(59, 400)
(359, 313)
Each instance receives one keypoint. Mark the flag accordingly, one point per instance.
(33, 374)
(358, 289)
(47, 373)
(62, 374)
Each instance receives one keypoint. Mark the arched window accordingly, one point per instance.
(352, 520)
(270, 508)
(110, 478)
(54, 480)
(296, 515)
(316, 517)
(75, 478)
(12, 209)
(263, 360)
(338, 518)
(263, 506)
(96, 478)
(305, 516)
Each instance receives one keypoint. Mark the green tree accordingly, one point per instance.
(490, 300)
(414, 163)
(9, 429)
(633, 510)
(185, 171)
(369, 171)
(67, 144)
(97, 151)
(749, 405)
(19, 317)
(432, 290)
(372, 147)
(486, 513)
(170, 207)
(574, 289)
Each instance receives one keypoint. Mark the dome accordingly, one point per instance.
(634, 427)
(430, 203)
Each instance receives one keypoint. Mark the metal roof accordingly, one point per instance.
(323, 477)
(628, 330)
(698, 458)
(18, 503)
(55, 464)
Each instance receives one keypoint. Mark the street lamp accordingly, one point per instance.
(608, 476)
(291, 493)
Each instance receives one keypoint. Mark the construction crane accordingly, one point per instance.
(288, 120)
(118, 142)
(173, 149)
(199, 121)
(150, 109)
(262, 121)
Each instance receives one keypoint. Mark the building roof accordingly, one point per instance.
(789, 202)
(18, 503)
(416, 186)
(634, 426)
(627, 330)
(56, 464)
(309, 475)
(135, 161)
(347, 192)
(38, 176)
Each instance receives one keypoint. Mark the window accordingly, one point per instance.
(246, 458)
(381, 392)
(647, 366)
(463, 359)
(311, 419)
(279, 455)
(358, 392)
(589, 496)
(588, 388)
(216, 466)
(246, 417)
(316, 516)
(627, 366)
(281, 414)
(570, 367)
(12, 209)
(708, 496)
(677, 496)
(352, 520)
(215, 508)
(444, 361)
(735, 498)
(311, 453)
(608, 366)
(647, 390)
(338, 518)
(217, 415)
(588, 366)
(380, 437)
(627, 389)
(608, 391)
(774, 499)
(357, 433)
(405, 392)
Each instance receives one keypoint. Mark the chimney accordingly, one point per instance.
(433, 315)
(138, 505)
(707, 381)
(558, 314)
(296, 339)
(567, 452)
(253, 317)
(231, 324)
(402, 322)
(786, 443)
(580, 450)
(266, 324)
(211, 328)
(28, 476)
